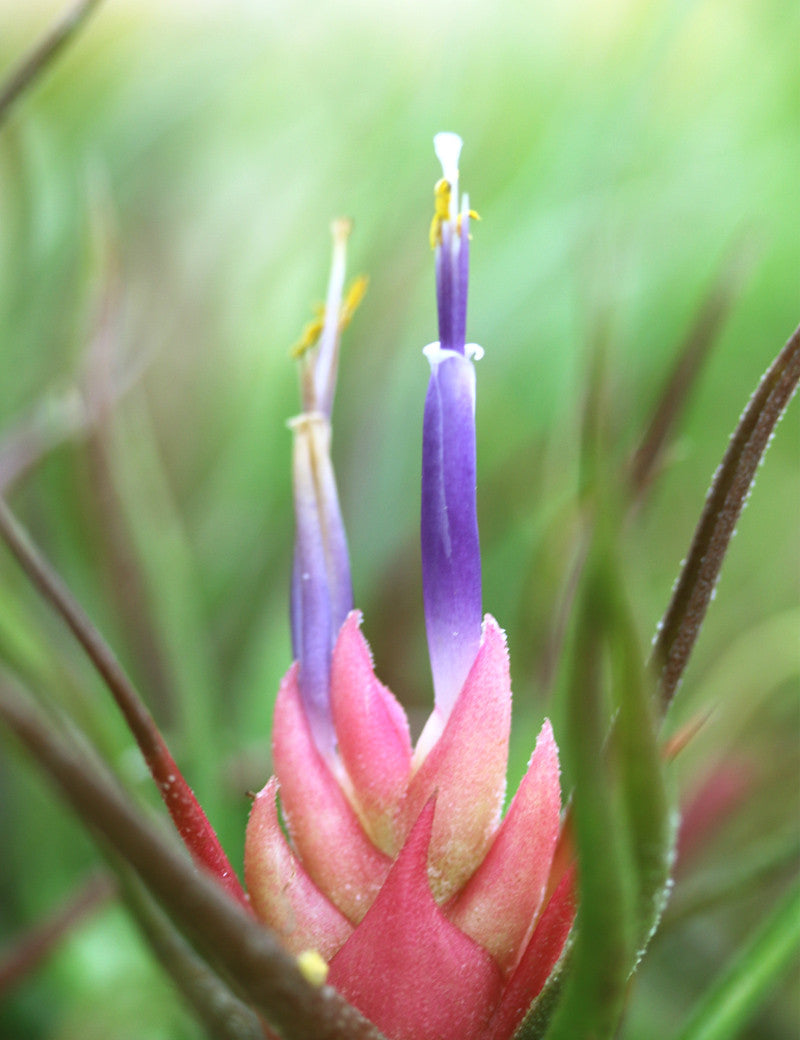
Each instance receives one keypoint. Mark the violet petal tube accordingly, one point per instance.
(451, 564)
(321, 595)
(321, 589)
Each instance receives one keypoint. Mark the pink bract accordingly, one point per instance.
(398, 868)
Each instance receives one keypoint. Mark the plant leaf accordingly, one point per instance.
(230, 940)
(187, 814)
(223, 1015)
(651, 832)
(620, 806)
(728, 1005)
(594, 992)
(37, 61)
(726, 498)
(24, 954)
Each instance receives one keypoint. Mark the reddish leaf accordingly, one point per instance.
(540, 958)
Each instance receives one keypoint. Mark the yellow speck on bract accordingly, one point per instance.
(313, 966)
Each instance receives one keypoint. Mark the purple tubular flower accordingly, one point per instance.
(451, 565)
(321, 595)
(321, 592)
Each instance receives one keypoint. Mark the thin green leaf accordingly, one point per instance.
(621, 809)
(651, 831)
(726, 498)
(167, 566)
(594, 992)
(730, 1003)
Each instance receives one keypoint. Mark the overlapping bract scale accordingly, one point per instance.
(281, 892)
(373, 738)
(499, 904)
(399, 869)
(466, 768)
(325, 830)
(406, 967)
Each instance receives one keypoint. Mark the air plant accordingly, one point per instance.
(386, 892)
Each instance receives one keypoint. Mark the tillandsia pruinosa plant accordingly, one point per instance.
(436, 918)
(389, 890)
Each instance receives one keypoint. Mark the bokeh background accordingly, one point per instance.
(165, 196)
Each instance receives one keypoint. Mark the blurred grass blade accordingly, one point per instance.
(187, 814)
(681, 624)
(167, 568)
(727, 1007)
(52, 421)
(602, 958)
(246, 954)
(620, 806)
(44, 53)
(23, 956)
(751, 871)
(691, 356)
(79, 409)
(641, 765)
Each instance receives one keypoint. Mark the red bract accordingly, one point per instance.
(398, 868)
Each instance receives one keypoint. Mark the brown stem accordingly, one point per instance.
(245, 953)
(186, 812)
(726, 499)
(43, 54)
(223, 1015)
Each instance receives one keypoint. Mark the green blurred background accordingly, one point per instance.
(181, 163)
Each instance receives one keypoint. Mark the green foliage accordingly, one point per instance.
(618, 154)
(620, 809)
(750, 976)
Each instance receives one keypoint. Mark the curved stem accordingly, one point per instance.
(43, 53)
(245, 953)
(186, 812)
(724, 503)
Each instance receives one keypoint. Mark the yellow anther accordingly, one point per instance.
(309, 336)
(472, 214)
(356, 292)
(313, 966)
(441, 210)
